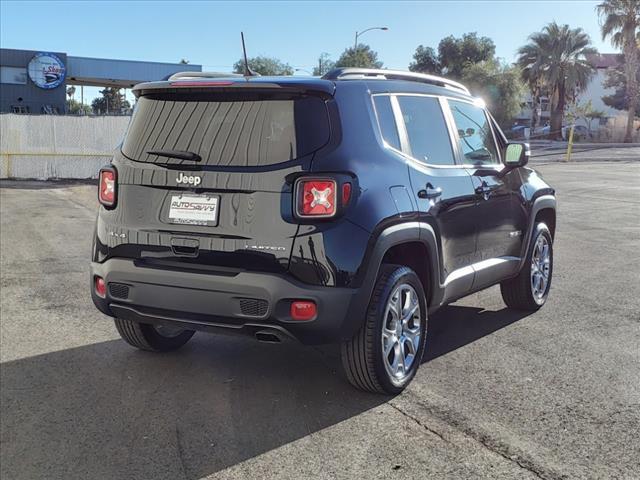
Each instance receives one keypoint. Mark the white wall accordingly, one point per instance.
(49, 146)
(595, 91)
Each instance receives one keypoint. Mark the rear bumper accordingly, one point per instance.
(243, 303)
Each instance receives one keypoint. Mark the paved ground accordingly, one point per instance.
(552, 395)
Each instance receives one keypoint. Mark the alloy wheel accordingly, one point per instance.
(401, 332)
(540, 268)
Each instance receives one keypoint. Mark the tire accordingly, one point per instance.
(149, 337)
(363, 358)
(524, 292)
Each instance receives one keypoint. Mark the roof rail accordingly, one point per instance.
(182, 75)
(381, 74)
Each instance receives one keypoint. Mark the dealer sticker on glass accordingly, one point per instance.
(194, 209)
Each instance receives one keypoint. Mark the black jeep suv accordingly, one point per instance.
(337, 209)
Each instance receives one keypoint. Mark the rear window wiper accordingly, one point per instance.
(181, 154)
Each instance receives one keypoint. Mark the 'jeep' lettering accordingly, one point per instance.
(189, 179)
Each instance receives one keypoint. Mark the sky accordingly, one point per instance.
(208, 33)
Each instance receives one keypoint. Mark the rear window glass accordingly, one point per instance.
(250, 131)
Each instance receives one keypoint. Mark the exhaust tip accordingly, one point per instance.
(267, 336)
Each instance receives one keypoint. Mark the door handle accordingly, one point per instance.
(430, 192)
(485, 189)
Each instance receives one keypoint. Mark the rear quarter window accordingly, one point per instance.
(386, 120)
(234, 131)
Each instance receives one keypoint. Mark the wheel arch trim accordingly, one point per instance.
(541, 203)
(394, 235)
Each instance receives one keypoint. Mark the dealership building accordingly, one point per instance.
(36, 82)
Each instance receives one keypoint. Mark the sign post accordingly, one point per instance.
(570, 145)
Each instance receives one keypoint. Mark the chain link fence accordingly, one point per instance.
(51, 146)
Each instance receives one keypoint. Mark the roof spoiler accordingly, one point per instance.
(381, 74)
(198, 75)
(229, 82)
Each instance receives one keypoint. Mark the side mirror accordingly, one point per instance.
(517, 155)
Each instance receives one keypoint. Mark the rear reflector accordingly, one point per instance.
(101, 287)
(107, 187)
(316, 198)
(302, 310)
(346, 194)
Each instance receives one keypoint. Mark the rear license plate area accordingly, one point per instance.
(192, 209)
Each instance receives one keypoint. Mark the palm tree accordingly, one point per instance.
(530, 60)
(621, 21)
(555, 58)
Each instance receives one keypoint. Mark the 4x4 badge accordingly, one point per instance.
(189, 179)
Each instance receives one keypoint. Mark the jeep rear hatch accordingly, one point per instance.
(204, 176)
(226, 129)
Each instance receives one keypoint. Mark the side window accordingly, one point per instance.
(386, 120)
(426, 130)
(474, 134)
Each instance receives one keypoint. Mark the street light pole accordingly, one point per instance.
(358, 34)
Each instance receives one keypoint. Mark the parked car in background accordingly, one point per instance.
(580, 132)
(518, 131)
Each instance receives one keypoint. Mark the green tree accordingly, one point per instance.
(267, 66)
(558, 53)
(74, 107)
(111, 101)
(362, 56)
(499, 85)
(425, 60)
(585, 111)
(616, 79)
(325, 64)
(621, 22)
(454, 54)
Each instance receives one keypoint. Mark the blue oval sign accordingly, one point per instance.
(46, 70)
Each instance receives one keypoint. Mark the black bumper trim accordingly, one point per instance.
(212, 325)
(206, 301)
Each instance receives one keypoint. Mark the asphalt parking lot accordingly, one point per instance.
(552, 395)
